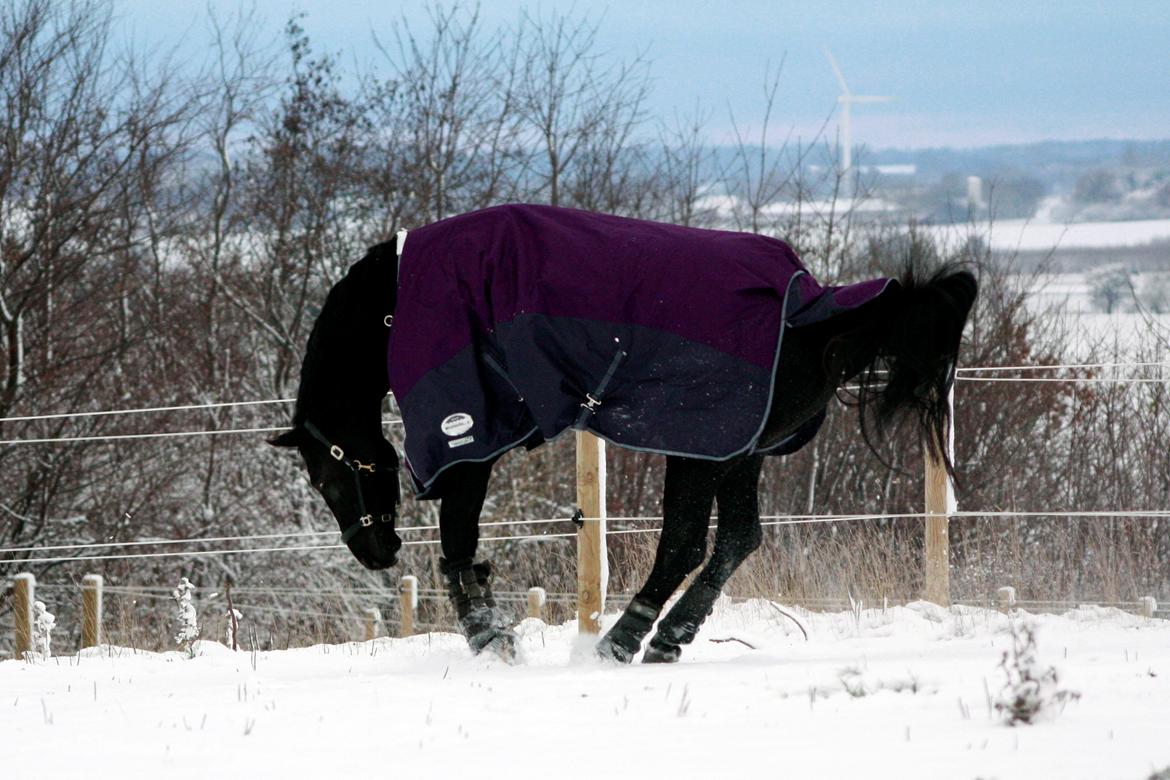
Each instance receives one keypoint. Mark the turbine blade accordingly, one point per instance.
(871, 98)
(836, 70)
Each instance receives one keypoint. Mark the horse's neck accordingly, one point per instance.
(812, 365)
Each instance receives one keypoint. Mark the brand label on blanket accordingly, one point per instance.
(455, 424)
(460, 442)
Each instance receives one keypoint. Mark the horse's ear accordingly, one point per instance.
(291, 438)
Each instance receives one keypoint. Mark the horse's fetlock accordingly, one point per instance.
(624, 639)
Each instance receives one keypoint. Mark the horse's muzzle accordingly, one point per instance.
(377, 548)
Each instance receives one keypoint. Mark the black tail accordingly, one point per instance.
(917, 346)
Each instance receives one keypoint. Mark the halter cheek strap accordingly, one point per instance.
(365, 519)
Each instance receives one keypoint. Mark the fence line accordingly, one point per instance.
(146, 410)
(163, 592)
(127, 436)
(148, 592)
(92, 590)
(1067, 380)
(158, 435)
(268, 401)
(248, 537)
(765, 520)
(590, 485)
(1059, 367)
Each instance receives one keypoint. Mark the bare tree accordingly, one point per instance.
(447, 118)
(686, 170)
(84, 140)
(567, 95)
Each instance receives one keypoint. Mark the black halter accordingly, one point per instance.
(365, 519)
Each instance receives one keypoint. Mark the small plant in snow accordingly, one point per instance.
(1030, 691)
(853, 681)
(856, 608)
(857, 684)
(186, 619)
(42, 627)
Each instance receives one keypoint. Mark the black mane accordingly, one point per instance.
(344, 370)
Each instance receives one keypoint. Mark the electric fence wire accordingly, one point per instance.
(766, 520)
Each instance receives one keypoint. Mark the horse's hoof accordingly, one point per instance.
(499, 642)
(609, 650)
(661, 654)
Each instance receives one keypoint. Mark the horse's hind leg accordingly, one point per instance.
(687, 497)
(738, 535)
(469, 583)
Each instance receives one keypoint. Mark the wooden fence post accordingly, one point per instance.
(1006, 598)
(536, 600)
(91, 610)
(592, 562)
(24, 593)
(373, 618)
(940, 502)
(1149, 606)
(408, 600)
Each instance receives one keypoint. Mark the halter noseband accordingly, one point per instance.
(365, 519)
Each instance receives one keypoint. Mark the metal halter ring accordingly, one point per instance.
(388, 320)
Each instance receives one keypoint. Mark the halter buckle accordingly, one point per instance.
(336, 452)
(590, 403)
(366, 520)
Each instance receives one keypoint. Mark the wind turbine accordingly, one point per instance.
(847, 99)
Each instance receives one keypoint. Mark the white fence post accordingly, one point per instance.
(408, 600)
(537, 597)
(373, 618)
(1149, 606)
(1006, 598)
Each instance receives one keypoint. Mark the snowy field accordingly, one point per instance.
(1040, 236)
(899, 693)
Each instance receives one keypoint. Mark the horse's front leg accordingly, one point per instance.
(469, 583)
(686, 509)
(737, 537)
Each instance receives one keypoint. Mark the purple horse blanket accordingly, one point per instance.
(516, 323)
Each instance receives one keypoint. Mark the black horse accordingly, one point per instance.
(898, 343)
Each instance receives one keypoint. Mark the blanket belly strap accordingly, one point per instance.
(593, 400)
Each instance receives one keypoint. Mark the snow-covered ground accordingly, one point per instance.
(1089, 326)
(900, 693)
(1036, 235)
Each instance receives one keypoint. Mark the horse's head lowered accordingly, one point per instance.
(913, 347)
(337, 426)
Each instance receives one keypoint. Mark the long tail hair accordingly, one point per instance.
(916, 345)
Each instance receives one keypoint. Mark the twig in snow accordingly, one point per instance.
(790, 617)
(748, 645)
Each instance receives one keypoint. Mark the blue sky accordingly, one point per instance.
(964, 73)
